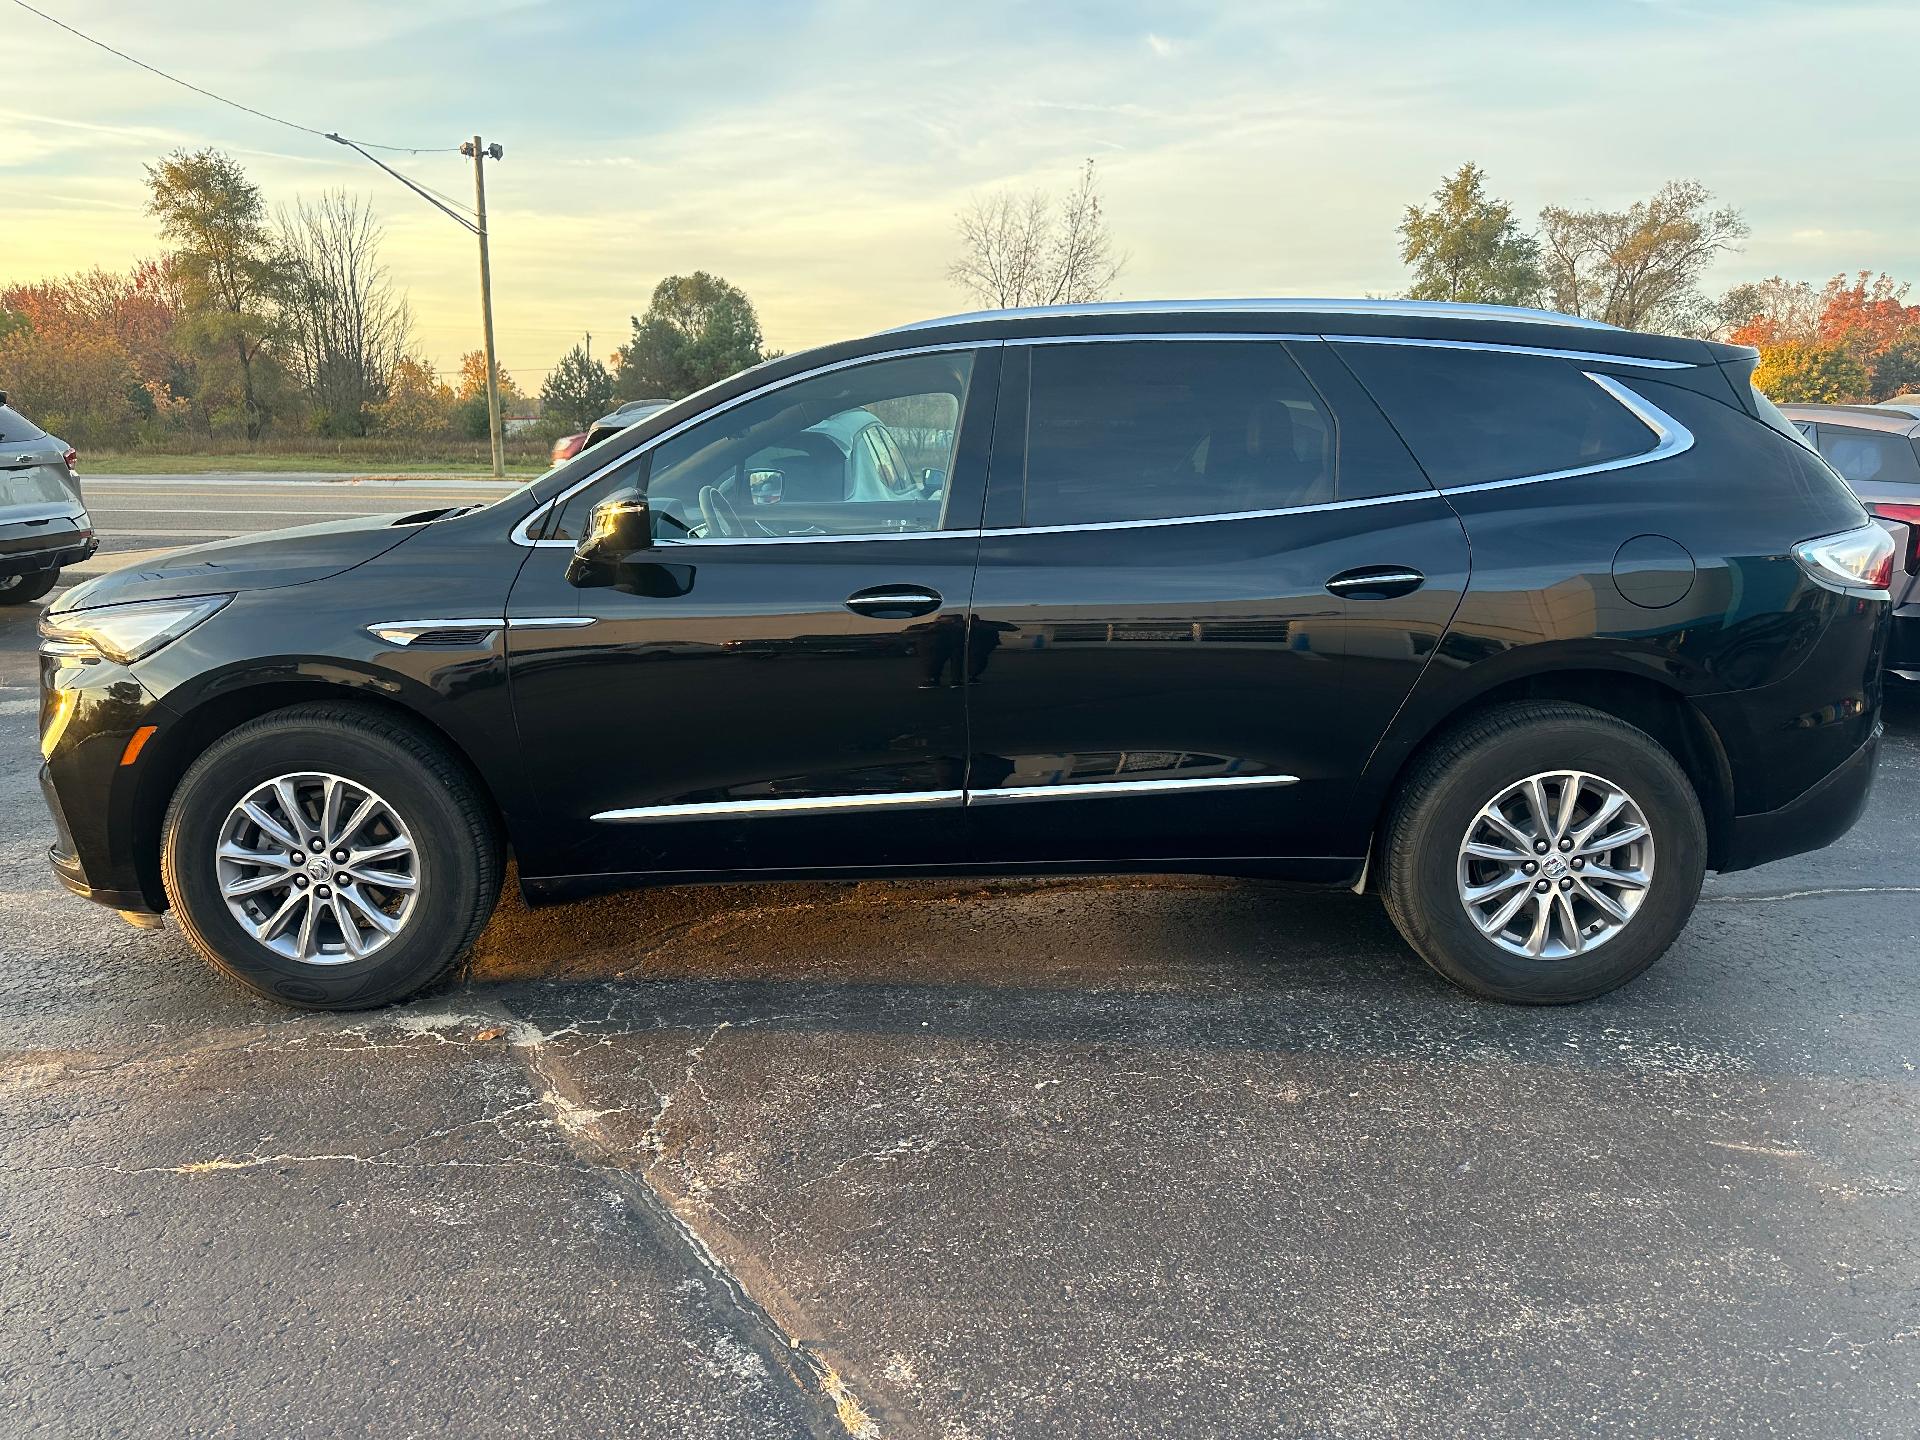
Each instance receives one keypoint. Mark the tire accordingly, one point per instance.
(429, 823)
(1428, 873)
(20, 589)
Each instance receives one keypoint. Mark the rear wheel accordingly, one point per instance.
(19, 589)
(330, 857)
(1543, 853)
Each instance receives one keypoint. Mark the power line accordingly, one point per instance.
(420, 190)
(361, 145)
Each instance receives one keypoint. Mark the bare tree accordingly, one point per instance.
(1639, 268)
(342, 326)
(1034, 250)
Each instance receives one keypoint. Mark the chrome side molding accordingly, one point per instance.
(801, 805)
(1101, 789)
(928, 799)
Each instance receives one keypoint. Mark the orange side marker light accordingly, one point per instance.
(137, 742)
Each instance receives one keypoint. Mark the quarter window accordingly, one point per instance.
(1471, 416)
(1160, 429)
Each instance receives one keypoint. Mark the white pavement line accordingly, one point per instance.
(153, 482)
(251, 510)
(1808, 894)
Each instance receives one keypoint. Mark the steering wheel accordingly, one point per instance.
(717, 510)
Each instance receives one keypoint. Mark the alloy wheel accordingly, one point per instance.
(1556, 864)
(317, 868)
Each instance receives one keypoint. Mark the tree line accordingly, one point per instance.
(255, 323)
(1853, 339)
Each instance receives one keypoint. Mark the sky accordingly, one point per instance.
(816, 154)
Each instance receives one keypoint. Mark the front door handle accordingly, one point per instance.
(1376, 582)
(894, 602)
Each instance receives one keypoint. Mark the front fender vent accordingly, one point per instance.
(437, 634)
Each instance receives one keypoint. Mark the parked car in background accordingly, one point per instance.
(1876, 449)
(612, 423)
(43, 518)
(1568, 616)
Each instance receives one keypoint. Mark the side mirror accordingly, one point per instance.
(766, 486)
(932, 482)
(617, 528)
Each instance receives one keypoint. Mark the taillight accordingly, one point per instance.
(1856, 560)
(1909, 516)
(72, 457)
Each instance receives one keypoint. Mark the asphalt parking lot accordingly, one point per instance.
(1100, 1158)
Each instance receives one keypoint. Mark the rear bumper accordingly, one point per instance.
(68, 551)
(1820, 816)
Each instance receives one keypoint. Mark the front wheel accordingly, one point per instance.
(20, 589)
(330, 857)
(1543, 853)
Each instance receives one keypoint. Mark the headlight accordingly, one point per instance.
(124, 632)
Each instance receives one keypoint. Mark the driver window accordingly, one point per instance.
(860, 451)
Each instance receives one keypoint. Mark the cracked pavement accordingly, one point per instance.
(1103, 1158)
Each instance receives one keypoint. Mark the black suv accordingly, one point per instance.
(1522, 621)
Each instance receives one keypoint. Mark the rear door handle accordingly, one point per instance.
(894, 602)
(1376, 582)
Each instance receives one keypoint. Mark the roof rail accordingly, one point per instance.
(1424, 309)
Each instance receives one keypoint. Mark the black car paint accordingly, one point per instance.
(718, 672)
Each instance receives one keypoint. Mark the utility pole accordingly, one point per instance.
(480, 154)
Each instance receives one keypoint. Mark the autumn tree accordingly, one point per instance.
(579, 390)
(1469, 247)
(139, 309)
(1867, 314)
(698, 329)
(470, 415)
(1639, 268)
(417, 402)
(75, 383)
(224, 252)
(1773, 311)
(1812, 373)
(1034, 249)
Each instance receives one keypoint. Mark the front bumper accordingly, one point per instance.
(89, 712)
(1818, 817)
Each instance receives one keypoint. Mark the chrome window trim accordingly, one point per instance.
(797, 805)
(1418, 309)
(1673, 438)
(1670, 438)
(1398, 498)
(1104, 789)
(520, 535)
(1584, 357)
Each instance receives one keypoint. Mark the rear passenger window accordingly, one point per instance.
(1866, 457)
(1158, 429)
(1474, 415)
